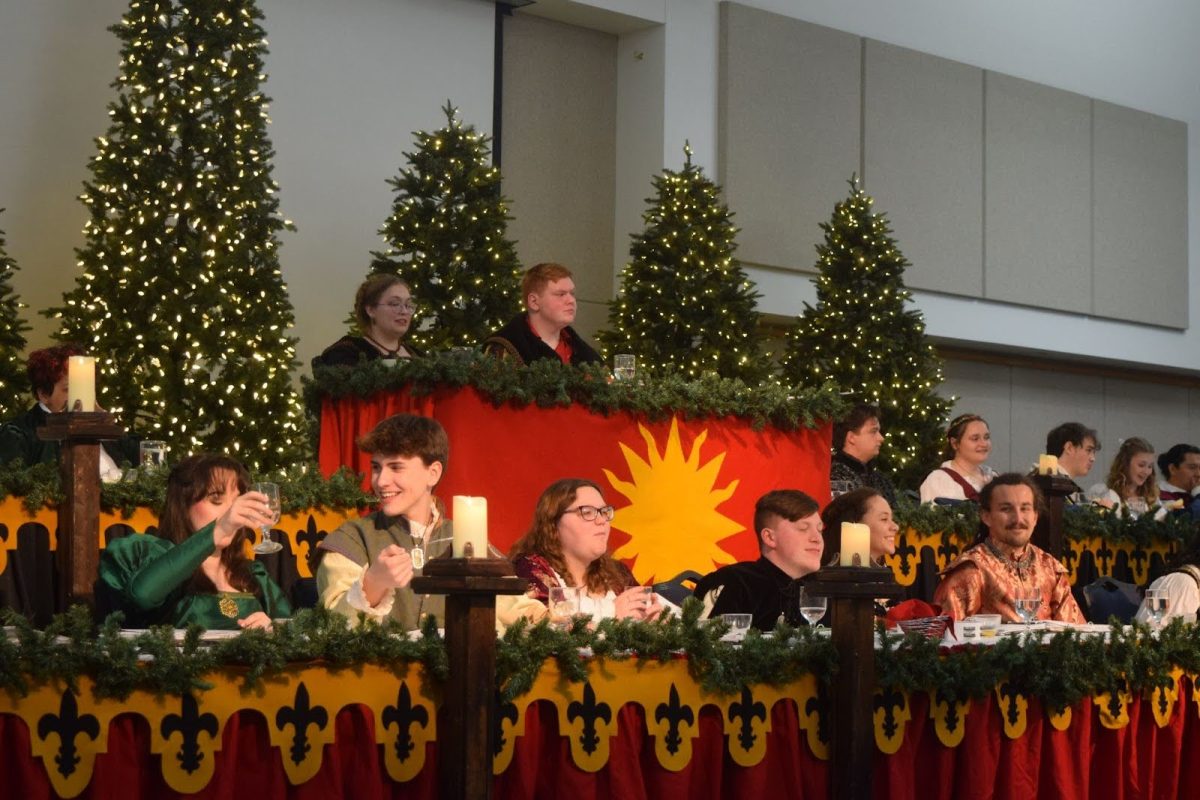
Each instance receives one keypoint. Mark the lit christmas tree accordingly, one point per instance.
(684, 302)
(862, 337)
(14, 386)
(447, 237)
(181, 296)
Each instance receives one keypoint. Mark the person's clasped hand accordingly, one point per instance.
(393, 569)
(637, 603)
(256, 620)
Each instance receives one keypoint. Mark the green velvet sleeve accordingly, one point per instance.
(151, 585)
(275, 602)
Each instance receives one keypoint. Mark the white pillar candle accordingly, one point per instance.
(81, 383)
(470, 525)
(856, 541)
(1047, 465)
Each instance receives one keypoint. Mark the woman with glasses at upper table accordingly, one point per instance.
(383, 308)
(567, 545)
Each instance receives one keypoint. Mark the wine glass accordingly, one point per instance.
(812, 607)
(1156, 606)
(563, 605)
(624, 367)
(268, 545)
(1027, 602)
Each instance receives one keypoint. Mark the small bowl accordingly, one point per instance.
(989, 624)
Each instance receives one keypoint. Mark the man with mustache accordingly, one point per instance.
(1002, 563)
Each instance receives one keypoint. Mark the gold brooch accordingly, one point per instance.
(228, 607)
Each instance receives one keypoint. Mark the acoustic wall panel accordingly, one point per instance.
(1037, 195)
(1140, 216)
(559, 150)
(788, 130)
(1158, 413)
(923, 162)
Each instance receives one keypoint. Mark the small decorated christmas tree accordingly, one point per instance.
(684, 302)
(14, 389)
(447, 237)
(863, 337)
(181, 295)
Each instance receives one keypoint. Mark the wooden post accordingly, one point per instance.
(852, 592)
(79, 435)
(1048, 534)
(465, 741)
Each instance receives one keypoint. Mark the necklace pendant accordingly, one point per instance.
(227, 607)
(418, 557)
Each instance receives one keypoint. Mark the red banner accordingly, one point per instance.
(684, 489)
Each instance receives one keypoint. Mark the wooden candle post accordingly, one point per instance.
(1048, 534)
(79, 435)
(471, 585)
(852, 592)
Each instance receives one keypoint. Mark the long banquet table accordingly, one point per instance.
(627, 731)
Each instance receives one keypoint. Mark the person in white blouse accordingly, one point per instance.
(963, 473)
(1181, 586)
(1131, 486)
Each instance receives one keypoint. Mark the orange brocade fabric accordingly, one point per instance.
(980, 582)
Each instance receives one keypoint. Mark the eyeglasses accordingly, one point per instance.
(589, 512)
(397, 305)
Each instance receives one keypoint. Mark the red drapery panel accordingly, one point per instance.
(684, 489)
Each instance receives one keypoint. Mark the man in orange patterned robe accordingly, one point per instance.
(1002, 564)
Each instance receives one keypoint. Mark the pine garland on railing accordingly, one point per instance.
(549, 383)
(1059, 672)
(300, 487)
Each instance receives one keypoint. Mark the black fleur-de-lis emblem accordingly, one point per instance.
(1011, 711)
(1069, 557)
(504, 711)
(404, 715)
(1114, 703)
(948, 549)
(816, 706)
(889, 701)
(67, 723)
(673, 713)
(311, 535)
(1104, 555)
(905, 551)
(589, 711)
(1138, 557)
(191, 724)
(747, 709)
(300, 716)
(951, 712)
(1163, 702)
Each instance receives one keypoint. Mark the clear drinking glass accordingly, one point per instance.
(812, 607)
(838, 488)
(1156, 606)
(1027, 602)
(563, 605)
(268, 545)
(624, 367)
(152, 454)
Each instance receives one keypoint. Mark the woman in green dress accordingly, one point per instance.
(196, 570)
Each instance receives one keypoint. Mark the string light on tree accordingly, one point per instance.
(861, 336)
(14, 386)
(684, 302)
(180, 293)
(447, 237)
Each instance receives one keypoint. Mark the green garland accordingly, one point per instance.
(1065, 669)
(301, 487)
(548, 383)
(1080, 523)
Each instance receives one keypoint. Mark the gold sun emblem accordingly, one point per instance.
(672, 514)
